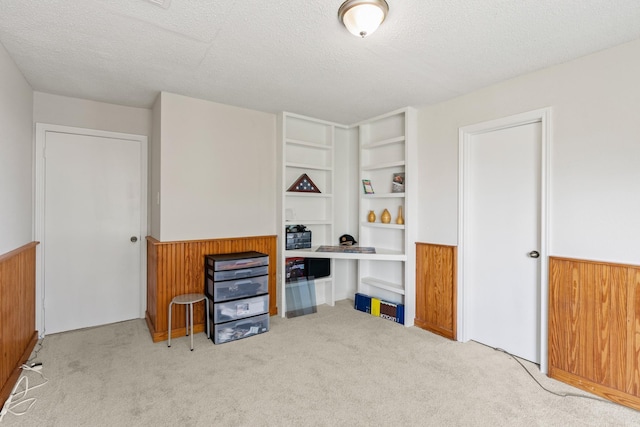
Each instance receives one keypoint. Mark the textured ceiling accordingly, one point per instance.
(294, 55)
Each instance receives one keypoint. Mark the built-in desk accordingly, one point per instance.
(380, 255)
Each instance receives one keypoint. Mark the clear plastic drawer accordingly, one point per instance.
(239, 309)
(238, 329)
(239, 274)
(237, 261)
(234, 289)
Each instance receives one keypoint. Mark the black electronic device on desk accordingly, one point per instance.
(297, 237)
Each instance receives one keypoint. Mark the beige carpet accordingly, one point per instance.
(337, 367)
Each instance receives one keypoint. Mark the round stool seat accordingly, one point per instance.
(188, 298)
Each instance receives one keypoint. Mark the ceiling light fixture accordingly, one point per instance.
(363, 17)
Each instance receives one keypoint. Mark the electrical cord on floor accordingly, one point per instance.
(35, 352)
(18, 398)
(585, 396)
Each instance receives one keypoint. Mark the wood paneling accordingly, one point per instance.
(175, 268)
(594, 327)
(436, 289)
(18, 334)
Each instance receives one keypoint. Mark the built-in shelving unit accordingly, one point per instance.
(387, 148)
(306, 147)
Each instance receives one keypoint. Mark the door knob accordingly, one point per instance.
(134, 239)
(534, 254)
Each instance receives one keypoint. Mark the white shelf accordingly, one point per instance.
(308, 222)
(310, 195)
(383, 196)
(309, 144)
(383, 225)
(309, 166)
(383, 142)
(383, 284)
(388, 165)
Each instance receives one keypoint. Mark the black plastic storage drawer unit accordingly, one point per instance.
(237, 285)
(299, 240)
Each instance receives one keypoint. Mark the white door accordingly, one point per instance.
(92, 230)
(502, 277)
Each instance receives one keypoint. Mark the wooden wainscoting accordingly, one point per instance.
(175, 268)
(594, 327)
(436, 289)
(18, 333)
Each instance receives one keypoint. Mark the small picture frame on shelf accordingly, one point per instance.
(397, 185)
(366, 185)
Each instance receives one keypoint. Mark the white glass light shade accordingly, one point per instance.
(363, 17)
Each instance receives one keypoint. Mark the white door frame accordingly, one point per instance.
(39, 182)
(542, 116)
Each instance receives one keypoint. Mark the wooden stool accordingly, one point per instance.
(189, 299)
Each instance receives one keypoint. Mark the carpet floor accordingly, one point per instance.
(337, 367)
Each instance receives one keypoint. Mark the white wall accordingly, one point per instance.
(67, 111)
(595, 153)
(155, 171)
(346, 213)
(16, 148)
(218, 170)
